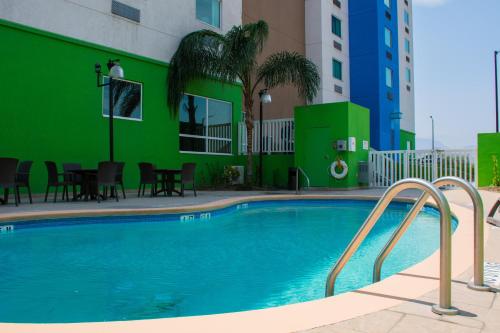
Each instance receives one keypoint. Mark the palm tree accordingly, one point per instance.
(232, 58)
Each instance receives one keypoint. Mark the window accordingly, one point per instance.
(387, 3)
(337, 69)
(388, 37)
(127, 96)
(205, 125)
(208, 11)
(336, 26)
(408, 75)
(407, 45)
(388, 77)
(406, 17)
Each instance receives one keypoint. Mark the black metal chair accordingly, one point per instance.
(53, 181)
(106, 178)
(119, 176)
(8, 171)
(147, 177)
(187, 177)
(23, 178)
(73, 179)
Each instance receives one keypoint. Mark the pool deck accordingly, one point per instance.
(398, 304)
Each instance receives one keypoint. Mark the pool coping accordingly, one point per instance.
(422, 277)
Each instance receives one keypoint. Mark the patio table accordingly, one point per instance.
(167, 181)
(88, 190)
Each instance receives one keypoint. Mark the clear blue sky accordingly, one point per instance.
(454, 42)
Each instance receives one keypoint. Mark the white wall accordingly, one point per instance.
(320, 50)
(407, 98)
(163, 22)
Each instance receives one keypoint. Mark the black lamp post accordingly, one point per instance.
(115, 72)
(496, 89)
(265, 98)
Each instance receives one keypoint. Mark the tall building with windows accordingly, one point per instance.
(363, 50)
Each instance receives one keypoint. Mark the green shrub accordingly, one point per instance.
(496, 175)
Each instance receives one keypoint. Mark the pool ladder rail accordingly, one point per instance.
(299, 171)
(430, 190)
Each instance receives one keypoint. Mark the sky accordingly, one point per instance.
(454, 42)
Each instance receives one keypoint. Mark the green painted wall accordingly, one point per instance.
(317, 129)
(51, 108)
(488, 145)
(405, 136)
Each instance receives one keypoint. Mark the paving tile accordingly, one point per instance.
(492, 321)
(496, 302)
(414, 324)
(331, 329)
(461, 294)
(378, 322)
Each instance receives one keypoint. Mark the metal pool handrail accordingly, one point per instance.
(444, 306)
(478, 282)
(297, 188)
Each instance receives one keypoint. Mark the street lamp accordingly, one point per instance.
(115, 72)
(496, 89)
(432, 118)
(265, 98)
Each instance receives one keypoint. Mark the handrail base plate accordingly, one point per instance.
(475, 287)
(442, 311)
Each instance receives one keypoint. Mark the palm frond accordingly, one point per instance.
(290, 68)
(199, 56)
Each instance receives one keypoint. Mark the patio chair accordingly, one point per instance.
(106, 178)
(148, 177)
(71, 178)
(53, 181)
(8, 170)
(119, 177)
(23, 178)
(187, 177)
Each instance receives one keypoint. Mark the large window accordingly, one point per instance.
(205, 125)
(336, 26)
(388, 77)
(209, 11)
(337, 69)
(388, 37)
(127, 99)
(387, 3)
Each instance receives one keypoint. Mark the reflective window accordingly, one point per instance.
(336, 26)
(127, 99)
(208, 11)
(388, 77)
(205, 125)
(337, 69)
(388, 37)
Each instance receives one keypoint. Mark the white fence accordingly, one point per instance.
(278, 136)
(387, 167)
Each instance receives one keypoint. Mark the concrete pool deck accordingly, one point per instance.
(398, 304)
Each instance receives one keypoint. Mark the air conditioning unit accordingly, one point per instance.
(241, 179)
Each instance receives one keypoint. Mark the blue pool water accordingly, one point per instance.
(246, 257)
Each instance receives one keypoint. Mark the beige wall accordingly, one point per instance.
(286, 21)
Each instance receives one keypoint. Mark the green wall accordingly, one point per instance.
(317, 129)
(405, 136)
(488, 145)
(51, 108)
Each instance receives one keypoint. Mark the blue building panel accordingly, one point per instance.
(369, 59)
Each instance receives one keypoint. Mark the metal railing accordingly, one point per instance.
(444, 306)
(387, 167)
(478, 281)
(278, 136)
(297, 182)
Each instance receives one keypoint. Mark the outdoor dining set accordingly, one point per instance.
(101, 183)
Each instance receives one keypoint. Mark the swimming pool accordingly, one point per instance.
(248, 256)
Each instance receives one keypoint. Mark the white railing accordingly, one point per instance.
(278, 136)
(387, 167)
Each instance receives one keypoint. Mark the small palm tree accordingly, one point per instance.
(232, 58)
